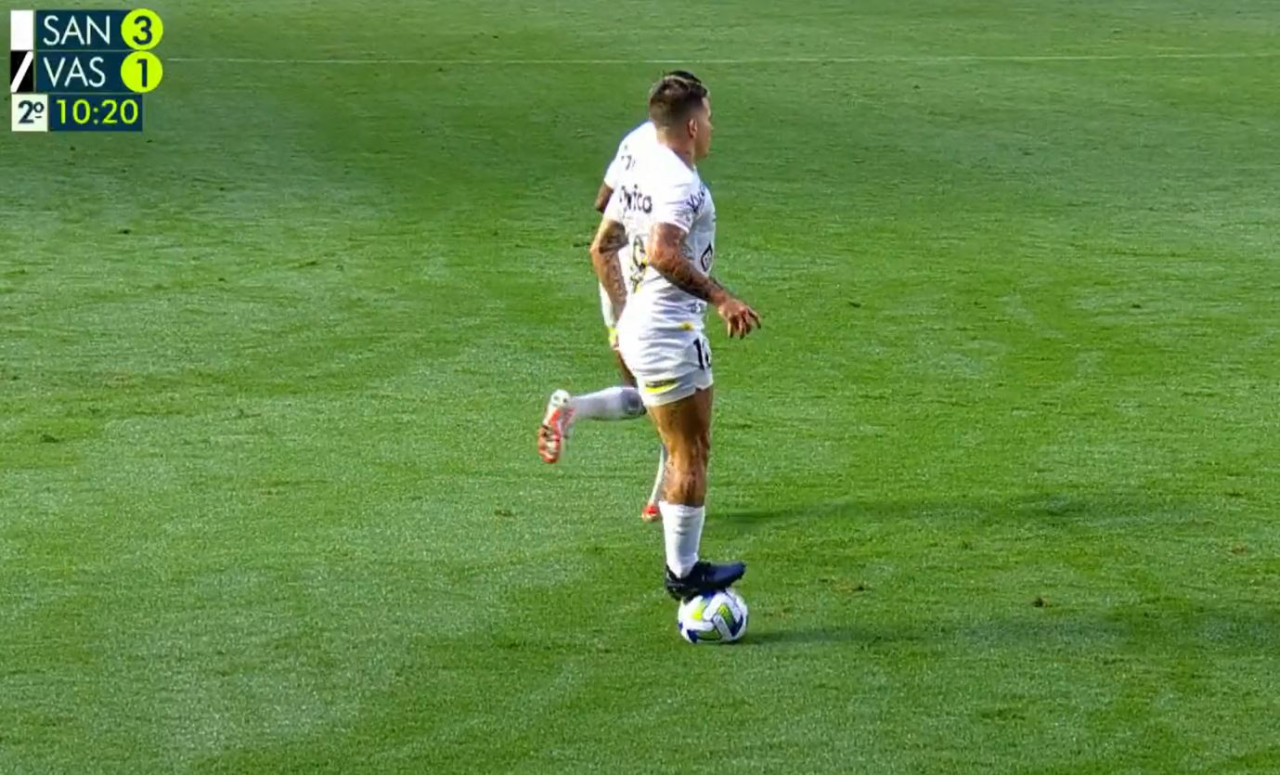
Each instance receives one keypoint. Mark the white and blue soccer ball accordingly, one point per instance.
(714, 617)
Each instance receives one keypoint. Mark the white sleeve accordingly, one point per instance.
(678, 204)
(613, 174)
(613, 210)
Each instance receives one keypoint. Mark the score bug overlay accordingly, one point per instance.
(82, 71)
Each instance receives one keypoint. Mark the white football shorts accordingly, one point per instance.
(669, 364)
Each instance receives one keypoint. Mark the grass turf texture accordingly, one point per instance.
(1002, 460)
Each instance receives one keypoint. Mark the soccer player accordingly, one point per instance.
(623, 401)
(664, 212)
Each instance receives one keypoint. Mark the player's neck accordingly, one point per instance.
(680, 148)
(685, 154)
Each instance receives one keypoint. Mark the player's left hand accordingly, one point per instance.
(740, 319)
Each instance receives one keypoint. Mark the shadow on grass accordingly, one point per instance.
(757, 517)
(1048, 508)
(1155, 629)
(808, 636)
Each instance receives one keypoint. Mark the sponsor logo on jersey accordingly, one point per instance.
(634, 199)
(705, 259)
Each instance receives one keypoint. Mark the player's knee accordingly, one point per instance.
(687, 470)
(687, 457)
(632, 403)
(685, 485)
(704, 447)
(697, 451)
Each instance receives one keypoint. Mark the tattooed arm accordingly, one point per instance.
(667, 258)
(610, 238)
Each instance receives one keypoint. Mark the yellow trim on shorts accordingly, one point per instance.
(660, 387)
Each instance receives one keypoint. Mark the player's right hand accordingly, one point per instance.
(738, 317)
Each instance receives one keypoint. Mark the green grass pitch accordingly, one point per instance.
(1002, 461)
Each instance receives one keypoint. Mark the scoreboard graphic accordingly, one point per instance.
(82, 71)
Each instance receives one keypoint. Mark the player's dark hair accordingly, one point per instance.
(685, 74)
(673, 99)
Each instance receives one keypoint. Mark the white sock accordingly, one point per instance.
(615, 403)
(682, 529)
(662, 473)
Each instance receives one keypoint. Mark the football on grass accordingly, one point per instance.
(714, 617)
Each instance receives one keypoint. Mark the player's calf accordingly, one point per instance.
(686, 477)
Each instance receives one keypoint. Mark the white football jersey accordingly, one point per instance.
(636, 141)
(660, 188)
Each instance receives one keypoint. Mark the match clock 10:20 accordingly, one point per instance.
(95, 112)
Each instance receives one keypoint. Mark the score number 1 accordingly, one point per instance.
(141, 72)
